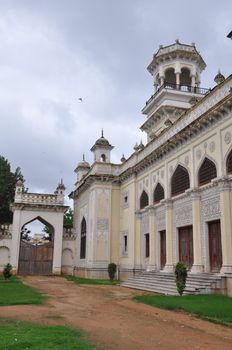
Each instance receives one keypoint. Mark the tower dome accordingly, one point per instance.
(102, 149)
(82, 168)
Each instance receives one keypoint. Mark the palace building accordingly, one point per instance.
(171, 199)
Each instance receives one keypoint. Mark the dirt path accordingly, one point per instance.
(113, 321)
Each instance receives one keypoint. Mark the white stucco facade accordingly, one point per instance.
(186, 127)
(171, 200)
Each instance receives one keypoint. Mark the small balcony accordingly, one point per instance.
(177, 87)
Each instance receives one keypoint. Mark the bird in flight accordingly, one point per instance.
(80, 99)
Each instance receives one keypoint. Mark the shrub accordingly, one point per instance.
(7, 272)
(112, 267)
(181, 276)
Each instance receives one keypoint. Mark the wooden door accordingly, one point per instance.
(186, 246)
(215, 246)
(162, 249)
(35, 259)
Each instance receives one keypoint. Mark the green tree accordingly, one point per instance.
(8, 181)
(68, 218)
(48, 232)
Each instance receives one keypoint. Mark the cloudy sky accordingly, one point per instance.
(54, 51)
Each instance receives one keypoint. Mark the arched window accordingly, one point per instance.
(229, 163)
(207, 172)
(144, 200)
(158, 193)
(103, 158)
(83, 239)
(180, 181)
(185, 78)
(170, 77)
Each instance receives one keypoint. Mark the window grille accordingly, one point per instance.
(180, 181)
(158, 193)
(144, 200)
(207, 172)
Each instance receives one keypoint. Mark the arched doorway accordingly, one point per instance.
(36, 248)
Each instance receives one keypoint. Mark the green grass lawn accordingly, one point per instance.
(18, 335)
(215, 308)
(14, 292)
(79, 280)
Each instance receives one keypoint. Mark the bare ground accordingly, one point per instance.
(112, 320)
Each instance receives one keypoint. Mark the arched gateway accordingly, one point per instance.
(43, 258)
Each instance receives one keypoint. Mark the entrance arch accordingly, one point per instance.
(48, 209)
(36, 252)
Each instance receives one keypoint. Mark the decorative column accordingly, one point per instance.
(226, 225)
(137, 240)
(169, 236)
(193, 80)
(198, 265)
(152, 239)
(178, 79)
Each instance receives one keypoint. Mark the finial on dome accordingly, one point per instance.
(123, 159)
(83, 158)
(219, 78)
(102, 133)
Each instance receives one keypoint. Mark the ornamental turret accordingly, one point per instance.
(82, 169)
(19, 189)
(102, 150)
(60, 192)
(176, 71)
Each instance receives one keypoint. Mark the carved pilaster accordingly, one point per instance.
(198, 265)
(152, 238)
(169, 235)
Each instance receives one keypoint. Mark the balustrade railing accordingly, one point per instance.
(179, 87)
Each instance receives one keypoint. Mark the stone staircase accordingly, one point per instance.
(164, 283)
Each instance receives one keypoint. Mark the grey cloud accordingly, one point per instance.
(53, 51)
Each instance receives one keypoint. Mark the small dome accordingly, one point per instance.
(102, 142)
(219, 78)
(83, 164)
(61, 185)
(123, 159)
(141, 145)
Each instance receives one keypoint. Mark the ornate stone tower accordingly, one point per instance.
(102, 150)
(176, 71)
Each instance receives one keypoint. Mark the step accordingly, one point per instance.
(164, 283)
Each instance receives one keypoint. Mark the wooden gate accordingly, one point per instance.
(162, 249)
(186, 246)
(35, 259)
(215, 246)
